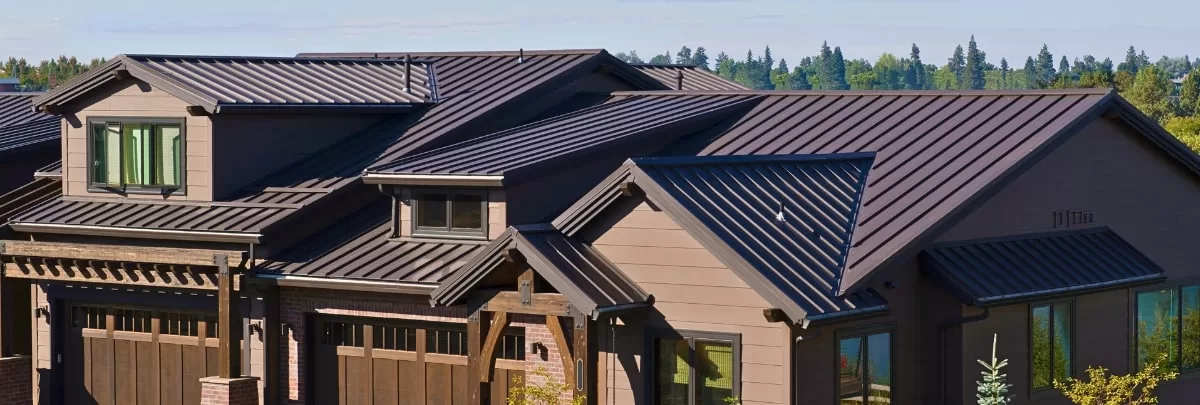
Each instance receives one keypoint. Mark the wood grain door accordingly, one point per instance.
(116, 355)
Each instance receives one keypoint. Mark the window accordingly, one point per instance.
(864, 361)
(1051, 338)
(461, 213)
(696, 369)
(1168, 324)
(136, 154)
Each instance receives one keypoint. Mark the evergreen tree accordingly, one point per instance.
(725, 66)
(1189, 93)
(1003, 73)
(914, 76)
(684, 56)
(663, 59)
(629, 57)
(1031, 73)
(887, 73)
(767, 61)
(974, 67)
(958, 66)
(993, 389)
(839, 69)
(1130, 64)
(825, 76)
(700, 58)
(1064, 68)
(799, 79)
(783, 67)
(1045, 67)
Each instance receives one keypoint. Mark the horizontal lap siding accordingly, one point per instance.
(693, 290)
(131, 101)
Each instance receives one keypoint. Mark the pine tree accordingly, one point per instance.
(1003, 73)
(974, 67)
(725, 66)
(1131, 62)
(663, 59)
(684, 56)
(767, 61)
(1045, 67)
(700, 58)
(914, 77)
(825, 71)
(1189, 94)
(799, 79)
(993, 389)
(1031, 73)
(839, 69)
(958, 66)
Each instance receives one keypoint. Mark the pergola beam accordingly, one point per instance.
(116, 253)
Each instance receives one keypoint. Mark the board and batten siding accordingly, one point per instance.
(693, 291)
(134, 98)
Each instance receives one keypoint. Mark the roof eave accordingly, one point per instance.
(141, 233)
(1009, 299)
(449, 180)
(294, 281)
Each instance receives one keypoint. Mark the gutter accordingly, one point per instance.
(1088, 288)
(434, 180)
(90, 230)
(945, 326)
(284, 280)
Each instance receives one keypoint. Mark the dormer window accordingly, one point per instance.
(453, 213)
(135, 154)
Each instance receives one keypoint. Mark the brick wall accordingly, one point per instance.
(296, 304)
(16, 382)
(228, 391)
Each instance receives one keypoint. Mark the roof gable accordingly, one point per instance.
(782, 223)
(690, 77)
(221, 83)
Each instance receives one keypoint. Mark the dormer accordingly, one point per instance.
(203, 128)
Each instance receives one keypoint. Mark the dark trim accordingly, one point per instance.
(159, 298)
(863, 332)
(339, 284)
(1035, 392)
(125, 189)
(449, 231)
(650, 357)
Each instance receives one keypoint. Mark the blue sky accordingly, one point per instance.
(793, 28)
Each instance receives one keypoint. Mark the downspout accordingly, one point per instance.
(942, 378)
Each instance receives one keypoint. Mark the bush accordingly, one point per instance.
(1104, 389)
(548, 393)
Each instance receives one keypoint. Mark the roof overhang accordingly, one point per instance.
(285, 280)
(453, 180)
(142, 233)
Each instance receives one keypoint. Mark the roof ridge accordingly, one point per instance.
(519, 52)
(1038, 92)
(272, 58)
(745, 159)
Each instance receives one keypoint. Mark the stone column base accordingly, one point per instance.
(228, 391)
(16, 380)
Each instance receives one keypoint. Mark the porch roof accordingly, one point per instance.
(1033, 266)
(588, 281)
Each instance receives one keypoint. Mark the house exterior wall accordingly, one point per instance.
(693, 291)
(133, 98)
(252, 146)
(1131, 188)
(297, 304)
(497, 215)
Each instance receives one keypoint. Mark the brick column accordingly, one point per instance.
(228, 391)
(16, 380)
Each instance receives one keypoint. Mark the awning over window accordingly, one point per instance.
(1033, 266)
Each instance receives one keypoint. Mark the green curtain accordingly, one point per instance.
(136, 153)
(112, 155)
(169, 153)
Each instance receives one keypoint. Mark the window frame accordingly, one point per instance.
(93, 186)
(1177, 287)
(1029, 341)
(651, 359)
(449, 231)
(863, 332)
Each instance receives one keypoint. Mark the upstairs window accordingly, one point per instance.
(136, 154)
(1051, 337)
(1168, 325)
(450, 213)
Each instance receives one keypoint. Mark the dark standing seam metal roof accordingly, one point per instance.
(217, 82)
(530, 147)
(35, 192)
(589, 281)
(1028, 267)
(694, 78)
(936, 151)
(359, 248)
(470, 85)
(22, 126)
(783, 222)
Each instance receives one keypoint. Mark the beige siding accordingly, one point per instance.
(693, 291)
(136, 99)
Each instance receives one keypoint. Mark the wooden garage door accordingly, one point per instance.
(117, 355)
(381, 363)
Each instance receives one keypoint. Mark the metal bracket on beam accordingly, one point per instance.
(630, 189)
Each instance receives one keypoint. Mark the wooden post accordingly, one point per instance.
(228, 320)
(477, 329)
(6, 329)
(585, 358)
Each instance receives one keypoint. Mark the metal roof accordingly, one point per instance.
(693, 77)
(589, 281)
(360, 247)
(531, 147)
(219, 83)
(473, 88)
(1027, 267)
(782, 223)
(936, 151)
(33, 193)
(22, 126)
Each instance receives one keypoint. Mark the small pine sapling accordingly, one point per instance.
(993, 390)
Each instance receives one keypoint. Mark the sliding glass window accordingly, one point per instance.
(136, 154)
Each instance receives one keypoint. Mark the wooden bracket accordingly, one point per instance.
(488, 353)
(121, 74)
(774, 315)
(196, 111)
(512, 255)
(555, 324)
(630, 189)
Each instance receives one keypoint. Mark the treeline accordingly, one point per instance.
(46, 74)
(1166, 90)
